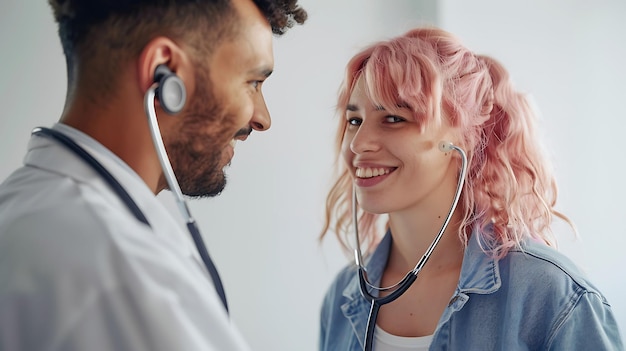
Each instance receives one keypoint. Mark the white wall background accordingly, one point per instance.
(263, 230)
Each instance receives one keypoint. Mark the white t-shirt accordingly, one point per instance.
(384, 341)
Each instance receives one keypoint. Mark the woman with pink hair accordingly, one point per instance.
(440, 154)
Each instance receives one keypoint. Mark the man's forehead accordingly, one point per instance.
(249, 11)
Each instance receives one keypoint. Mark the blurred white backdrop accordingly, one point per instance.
(262, 231)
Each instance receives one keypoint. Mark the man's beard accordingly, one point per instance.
(196, 149)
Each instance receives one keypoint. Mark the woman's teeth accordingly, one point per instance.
(371, 172)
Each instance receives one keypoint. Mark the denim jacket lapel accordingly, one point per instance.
(480, 274)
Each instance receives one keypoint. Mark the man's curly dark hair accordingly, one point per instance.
(282, 14)
(114, 30)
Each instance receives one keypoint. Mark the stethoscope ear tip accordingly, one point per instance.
(445, 146)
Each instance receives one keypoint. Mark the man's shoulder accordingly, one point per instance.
(31, 196)
(51, 219)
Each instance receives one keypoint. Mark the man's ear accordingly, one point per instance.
(163, 59)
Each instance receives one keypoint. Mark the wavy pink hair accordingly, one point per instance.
(510, 192)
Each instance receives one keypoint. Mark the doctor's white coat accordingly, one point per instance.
(79, 272)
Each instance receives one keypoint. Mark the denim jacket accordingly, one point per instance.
(532, 299)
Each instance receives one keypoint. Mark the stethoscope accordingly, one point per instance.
(167, 80)
(400, 287)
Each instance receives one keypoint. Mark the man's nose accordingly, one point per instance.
(261, 119)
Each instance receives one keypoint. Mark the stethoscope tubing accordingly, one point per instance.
(157, 140)
(119, 190)
(377, 302)
(172, 182)
(405, 283)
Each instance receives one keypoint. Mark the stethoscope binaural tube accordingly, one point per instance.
(191, 224)
(170, 177)
(162, 154)
(405, 283)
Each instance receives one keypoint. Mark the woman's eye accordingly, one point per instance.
(394, 119)
(354, 121)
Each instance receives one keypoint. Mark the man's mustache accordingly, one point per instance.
(243, 132)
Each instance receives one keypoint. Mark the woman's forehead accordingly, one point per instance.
(366, 91)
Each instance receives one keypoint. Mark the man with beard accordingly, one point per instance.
(85, 265)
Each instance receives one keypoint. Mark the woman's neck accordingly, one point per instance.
(414, 229)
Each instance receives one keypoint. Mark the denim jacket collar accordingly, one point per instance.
(480, 274)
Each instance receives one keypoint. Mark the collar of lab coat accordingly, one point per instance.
(46, 153)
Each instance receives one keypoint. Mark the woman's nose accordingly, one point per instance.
(365, 139)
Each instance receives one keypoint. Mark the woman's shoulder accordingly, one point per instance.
(546, 268)
(342, 279)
